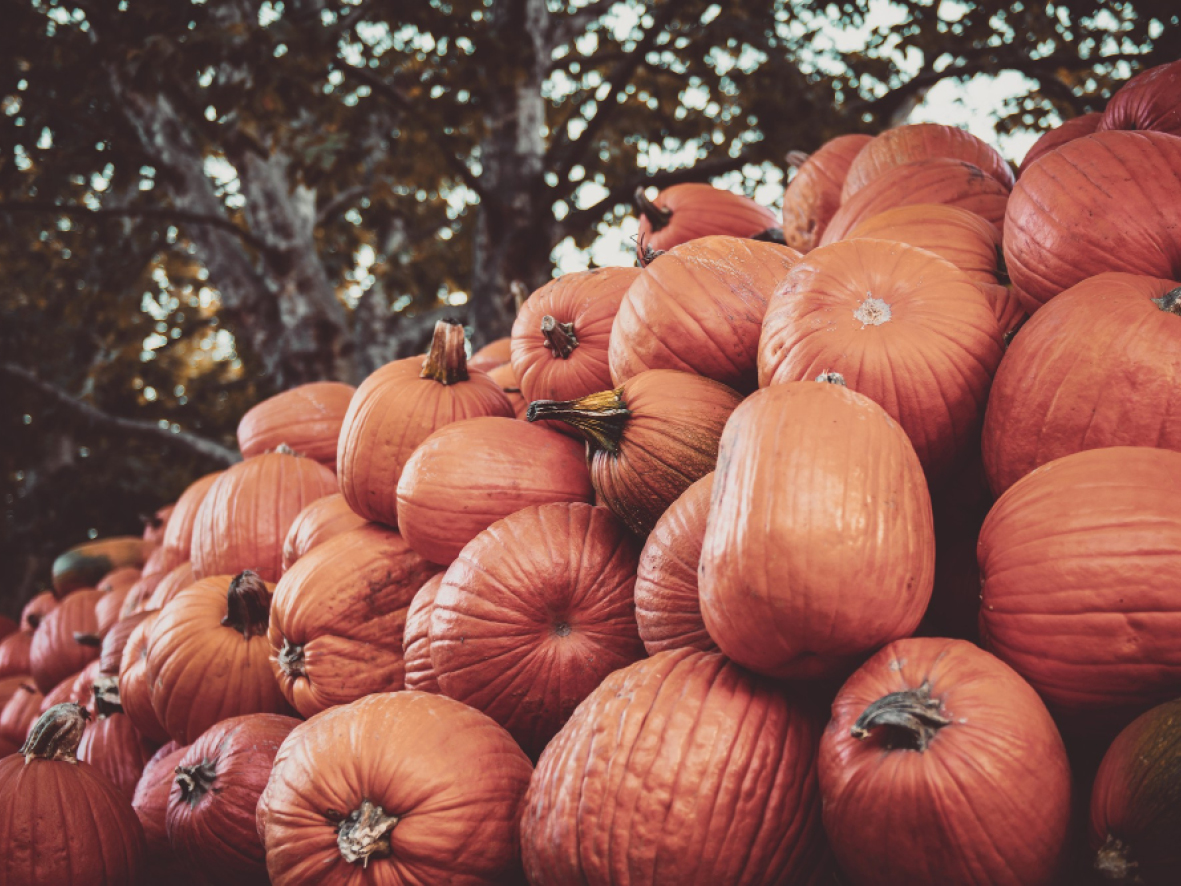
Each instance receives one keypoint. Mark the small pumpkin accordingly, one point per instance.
(134, 691)
(814, 193)
(496, 353)
(115, 641)
(306, 418)
(684, 212)
(111, 743)
(416, 639)
(1068, 130)
(36, 609)
(157, 567)
(19, 713)
(506, 378)
(55, 651)
(319, 521)
(119, 580)
(75, 688)
(150, 800)
(14, 654)
(83, 565)
(1150, 100)
(178, 534)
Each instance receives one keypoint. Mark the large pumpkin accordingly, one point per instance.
(54, 652)
(321, 520)
(814, 193)
(819, 546)
(940, 765)
(400, 787)
(1067, 131)
(135, 691)
(416, 639)
(1150, 100)
(178, 534)
(111, 743)
(685, 212)
(533, 614)
(306, 418)
(679, 770)
(698, 308)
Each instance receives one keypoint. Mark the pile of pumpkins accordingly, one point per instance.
(841, 551)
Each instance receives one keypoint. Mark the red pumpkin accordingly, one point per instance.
(699, 308)
(684, 212)
(115, 641)
(940, 765)
(648, 439)
(54, 653)
(338, 617)
(1067, 131)
(63, 821)
(306, 418)
(469, 474)
(19, 713)
(416, 639)
(107, 610)
(679, 770)
(496, 353)
(211, 804)
(81, 689)
(63, 692)
(155, 525)
(150, 801)
(1150, 100)
(533, 614)
(170, 585)
(401, 787)
(178, 534)
(819, 546)
(814, 193)
(134, 689)
(321, 520)
(14, 654)
(36, 610)
(111, 743)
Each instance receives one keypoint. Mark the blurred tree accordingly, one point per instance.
(205, 201)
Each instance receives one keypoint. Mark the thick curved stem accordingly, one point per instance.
(600, 418)
(106, 697)
(248, 605)
(559, 337)
(1170, 301)
(196, 781)
(365, 834)
(912, 713)
(446, 362)
(291, 660)
(657, 217)
(55, 736)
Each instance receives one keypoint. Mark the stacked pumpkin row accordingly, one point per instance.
(597, 645)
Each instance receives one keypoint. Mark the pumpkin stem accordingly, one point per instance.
(447, 361)
(195, 781)
(647, 254)
(796, 159)
(248, 605)
(365, 834)
(771, 235)
(94, 641)
(284, 449)
(657, 217)
(872, 312)
(832, 378)
(291, 660)
(106, 697)
(559, 337)
(1170, 301)
(1113, 863)
(600, 417)
(912, 712)
(56, 734)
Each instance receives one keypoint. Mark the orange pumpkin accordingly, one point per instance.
(171, 585)
(54, 652)
(506, 378)
(1150, 100)
(1067, 131)
(306, 418)
(14, 654)
(19, 713)
(323, 519)
(416, 639)
(36, 609)
(111, 743)
(135, 694)
(178, 534)
(496, 353)
(684, 212)
(814, 193)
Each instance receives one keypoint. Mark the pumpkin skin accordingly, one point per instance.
(455, 779)
(36, 610)
(814, 193)
(1136, 801)
(1150, 100)
(119, 580)
(250, 508)
(667, 608)
(1094, 368)
(135, 694)
(150, 801)
(111, 743)
(566, 358)
(321, 520)
(396, 408)
(65, 691)
(54, 653)
(306, 418)
(469, 474)
(115, 641)
(170, 585)
(64, 822)
(1083, 210)
(19, 713)
(628, 772)
(648, 439)
(416, 639)
(818, 497)
(533, 614)
(975, 790)
(158, 566)
(14, 654)
(338, 616)
(1067, 131)
(1078, 564)
(178, 534)
(210, 817)
(107, 610)
(698, 308)
(208, 657)
(903, 327)
(687, 211)
(83, 565)
(496, 353)
(155, 525)
(506, 379)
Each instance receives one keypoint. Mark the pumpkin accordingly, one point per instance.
(533, 614)
(9, 687)
(111, 743)
(135, 694)
(667, 609)
(416, 639)
(506, 379)
(469, 474)
(338, 616)
(155, 525)
(115, 641)
(159, 564)
(397, 787)
(107, 610)
(250, 508)
(36, 609)
(64, 691)
(83, 565)
(648, 439)
(1136, 801)
(1064, 132)
(938, 180)
(684, 212)
(819, 546)
(54, 652)
(119, 580)
(150, 800)
(1095, 367)
(306, 418)
(14, 654)
(211, 804)
(940, 765)
(19, 713)
(814, 193)
(170, 585)
(699, 308)
(562, 331)
(321, 520)
(496, 353)
(1150, 100)
(397, 408)
(7, 626)
(178, 534)
(902, 326)
(1084, 209)
(208, 657)
(678, 770)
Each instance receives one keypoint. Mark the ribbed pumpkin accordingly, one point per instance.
(1085, 209)
(36, 609)
(680, 770)
(814, 193)
(1136, 801)
(416, 639)
(902, 326)
(1067, 131)
(698, 308)
(562, 331)
(64, 691)
(1096, 367)
(940, 765)
(135, 693)
(178, 535)
(306, 418)
(685, 212)
(648, 439)
(321, 520)
(496, 353)
(338, 616)
(171, 585)
(54, 652)
(1150, 100)
(14, 654)
(150, 801)
(819, 546)
(9, 687)
(64, 822)
(667, 607)
(533, 614)
(398, 407)
(19, 713)
(83, 565)
(506, 380)
(208, 657)
(111, 743)
(250, 508)
(211, 805)
(159, 564)
(115, 641)
(107, 610)
(1079, 563)
(119, 580)
(469, 474)
(401, 787)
